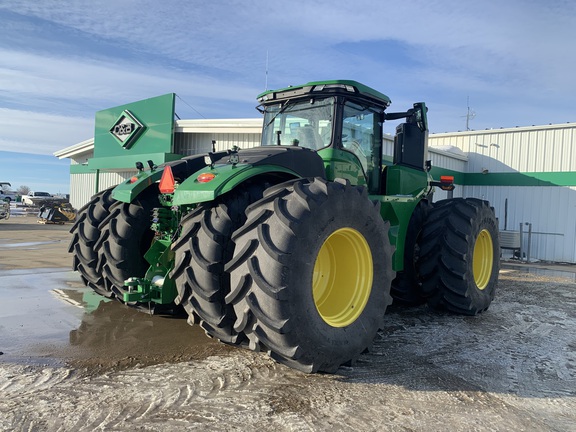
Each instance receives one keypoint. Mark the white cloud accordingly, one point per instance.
(86, 80)
(38, 133)
(513, 58)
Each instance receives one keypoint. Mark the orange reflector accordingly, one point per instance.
(167, 181)
(447, 179)
(205, 177)
(134, 179)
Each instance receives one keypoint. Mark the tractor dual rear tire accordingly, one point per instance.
(201, 251)
(459, 256)
(85, 234)
(126, 236)
(311, 274)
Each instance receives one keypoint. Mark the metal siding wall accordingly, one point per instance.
(444, 160)
(551, 210)
(535, 150)
(82, 186)
(227, 141)
(195, 143)
(388, 145)
(81, 189)
(109, 179)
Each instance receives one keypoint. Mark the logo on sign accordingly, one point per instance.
(127, 129)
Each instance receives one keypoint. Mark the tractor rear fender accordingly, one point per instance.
(226, 178)
(183, 168)
(271, 161)
(398, 211)
(282, 163)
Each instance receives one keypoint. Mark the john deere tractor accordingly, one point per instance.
(295, 247)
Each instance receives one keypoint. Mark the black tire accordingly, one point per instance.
(305, 245)
(407, 286)
(85, 234)
(459, 256)
(126, 237)
(200, 252)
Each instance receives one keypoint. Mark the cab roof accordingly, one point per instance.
(325, 87)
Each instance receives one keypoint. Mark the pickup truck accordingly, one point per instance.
(35, 198)
(7, 195)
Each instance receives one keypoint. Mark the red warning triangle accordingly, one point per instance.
(167, 181)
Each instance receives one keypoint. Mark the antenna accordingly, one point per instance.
(266, 83)
(469, 114)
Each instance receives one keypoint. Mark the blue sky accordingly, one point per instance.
(61, 61)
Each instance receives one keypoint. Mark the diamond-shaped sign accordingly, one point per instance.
(127, 129)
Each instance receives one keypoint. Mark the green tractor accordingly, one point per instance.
(295, 247)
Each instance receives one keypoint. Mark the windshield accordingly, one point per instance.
(303, 123)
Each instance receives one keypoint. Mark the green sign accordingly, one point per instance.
(134, 132)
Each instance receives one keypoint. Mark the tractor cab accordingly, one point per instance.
(342, 121)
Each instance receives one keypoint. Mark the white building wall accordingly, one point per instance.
(550, 209)
(536, 149)
(83, 186)
(195, 143)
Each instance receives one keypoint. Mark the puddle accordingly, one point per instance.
(48, 316)
(27, 244)
(540, 271)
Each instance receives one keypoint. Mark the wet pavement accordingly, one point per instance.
(47, 316)
(36, 311)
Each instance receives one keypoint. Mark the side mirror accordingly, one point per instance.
(420, 116)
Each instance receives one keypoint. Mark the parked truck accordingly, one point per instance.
(7, 194)
(35, 198)
(298, 246)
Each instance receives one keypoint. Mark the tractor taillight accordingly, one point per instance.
(447, 183)
(133, 179)
(166, 185)
(205, 177)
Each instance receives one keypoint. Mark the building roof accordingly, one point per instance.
(246, 125)
(508, 130)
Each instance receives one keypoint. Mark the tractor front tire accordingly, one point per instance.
(201, 251)
(126, 236)
(311, 274)
(459, 256)
(85, 234)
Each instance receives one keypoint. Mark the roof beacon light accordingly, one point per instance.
(167, 181)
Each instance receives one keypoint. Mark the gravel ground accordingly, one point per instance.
(74, 362)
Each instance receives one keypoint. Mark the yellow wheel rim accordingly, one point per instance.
(343, 276)
(483, 259)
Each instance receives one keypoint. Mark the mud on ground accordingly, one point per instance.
(72, 361)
